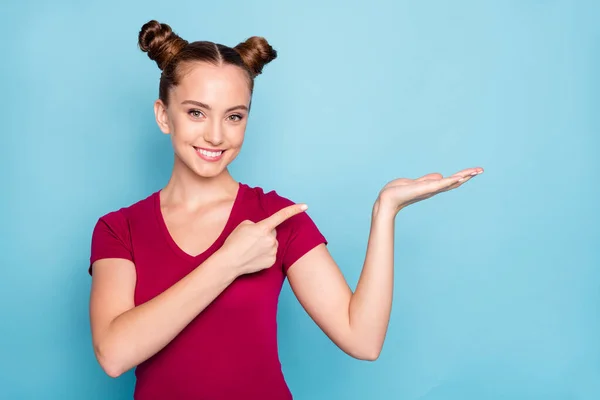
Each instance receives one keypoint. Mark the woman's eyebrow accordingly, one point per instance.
(206, 106)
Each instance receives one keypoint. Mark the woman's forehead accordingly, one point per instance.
(221, 85)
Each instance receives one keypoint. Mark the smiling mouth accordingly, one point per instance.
(211, 155)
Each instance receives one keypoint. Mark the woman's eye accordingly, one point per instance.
(235, 117)
(195, 113)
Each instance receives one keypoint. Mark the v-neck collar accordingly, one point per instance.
(221, 238)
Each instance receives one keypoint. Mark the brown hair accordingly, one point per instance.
(172, 54)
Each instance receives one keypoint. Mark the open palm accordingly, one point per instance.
(402, 192)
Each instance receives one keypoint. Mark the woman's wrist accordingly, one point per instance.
(384, 210)
(222, 262)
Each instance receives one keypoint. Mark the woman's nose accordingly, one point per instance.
(214, 135)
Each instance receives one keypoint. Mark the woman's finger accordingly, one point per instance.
(469, 172)
(426, 188)
(460, 182)
(432, 186)
(449, 181)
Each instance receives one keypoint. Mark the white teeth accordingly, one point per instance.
(210, 153)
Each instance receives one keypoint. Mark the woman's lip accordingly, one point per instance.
(213, 150)
(207, 158)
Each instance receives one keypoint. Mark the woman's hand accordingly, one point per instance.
(252, 247)
(402, 192)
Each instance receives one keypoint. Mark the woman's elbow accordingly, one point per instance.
(109, 364)
(371, 355)
(365, 353)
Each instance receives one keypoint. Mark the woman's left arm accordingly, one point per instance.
(357, 322)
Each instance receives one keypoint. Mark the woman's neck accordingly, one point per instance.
(187, 188)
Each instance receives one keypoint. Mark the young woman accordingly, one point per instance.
(186, 281)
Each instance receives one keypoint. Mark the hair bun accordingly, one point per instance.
(160, 42)
(256, 52)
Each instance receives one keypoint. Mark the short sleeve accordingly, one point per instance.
(111, 238)
(303, 233)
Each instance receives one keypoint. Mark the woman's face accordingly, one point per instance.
(206, 116)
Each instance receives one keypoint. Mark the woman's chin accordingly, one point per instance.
(209, 171)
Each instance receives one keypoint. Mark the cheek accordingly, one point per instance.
(236, 134)
(185, 131)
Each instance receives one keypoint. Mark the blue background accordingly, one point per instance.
(497, 284)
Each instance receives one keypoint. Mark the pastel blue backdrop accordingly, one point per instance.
(497, 286)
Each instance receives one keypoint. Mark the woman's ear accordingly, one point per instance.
(162, 118)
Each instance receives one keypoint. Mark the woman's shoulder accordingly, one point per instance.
(270, 200)
(138, 209)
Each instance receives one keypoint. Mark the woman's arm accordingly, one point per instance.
(123, 335)
(357, 322)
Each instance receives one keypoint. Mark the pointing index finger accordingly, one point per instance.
(282, 215)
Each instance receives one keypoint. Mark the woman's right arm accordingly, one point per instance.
(124, 335)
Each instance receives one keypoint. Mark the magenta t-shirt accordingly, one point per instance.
(229, 351)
